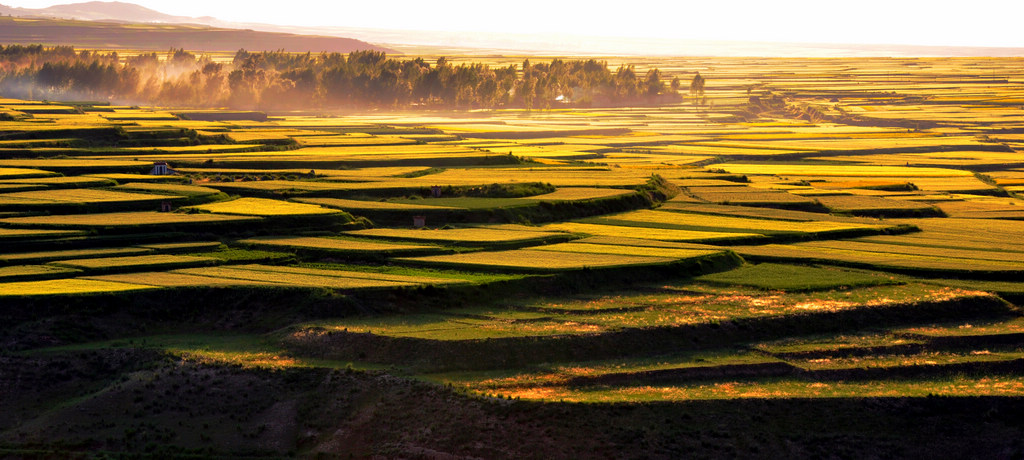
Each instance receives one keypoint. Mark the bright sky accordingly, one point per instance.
(911, 22)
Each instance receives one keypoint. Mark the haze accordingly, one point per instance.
(982, 23)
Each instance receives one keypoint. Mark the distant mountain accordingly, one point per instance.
(101, 25)
(117, 11)
(105, 11)
(161, 37)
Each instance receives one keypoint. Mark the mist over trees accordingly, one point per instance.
(281, 80)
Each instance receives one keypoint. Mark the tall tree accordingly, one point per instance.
(697, 87)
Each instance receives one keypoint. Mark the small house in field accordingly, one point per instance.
(165, 206)
(419, 221)
(160, 168)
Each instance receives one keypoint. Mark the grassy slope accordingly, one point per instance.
(139, 401)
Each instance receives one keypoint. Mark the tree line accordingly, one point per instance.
(281, 80)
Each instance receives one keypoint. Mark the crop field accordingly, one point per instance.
(461, 235)
(342, 245)
(62, 181)
(797, 278)
(819, 231)
(120, 219)
(20, 233)
(143, 261)
(415, 279)
(33, 271)
(65, 287)
(541, 260)
(176, 189)
(648, 233)
(178, 280)
(870, 204)
(626, 250)
(264, 207)
(305, 278)
(20, 257)
(361, 205)
(975, 268)
(690, 221)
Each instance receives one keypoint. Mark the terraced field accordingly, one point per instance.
(820, 235)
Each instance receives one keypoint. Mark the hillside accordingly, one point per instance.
(102, 11)
(164, 36)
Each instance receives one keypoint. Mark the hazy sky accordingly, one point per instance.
(934, 22)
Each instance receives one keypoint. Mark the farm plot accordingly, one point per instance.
(693, 221)
(627, 250)
(339, 245)
(8, 173)
(468, 203)
(186, 246)
(71, 165)
(980, 234)
(62, 181)
(179, 280)
(122, 219)
(7, 234)
(176, 189)
(401, 278)
(343, 140)
(470, 236)
(969, 254)
(537, 260)
(309, 279)
(749, 196)
(38, 198)
(43, 256)
(648, 233)
(129, 177)
(362, 205)
(756, 212)
(797, 277)
(150, 261)
(871, 205)
(613, 178)
(578, 194)
(279, 186)
(265, 207)
(836, 170)
(13, 272)
(983, 208)
(912, 263)
(72, 286)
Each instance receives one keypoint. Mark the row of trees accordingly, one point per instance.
(280, 80)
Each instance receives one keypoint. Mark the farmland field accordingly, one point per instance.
(827, 236)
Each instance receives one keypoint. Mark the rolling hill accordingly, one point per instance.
(158, 36)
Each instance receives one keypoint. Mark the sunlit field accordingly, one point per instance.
(826, 229)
